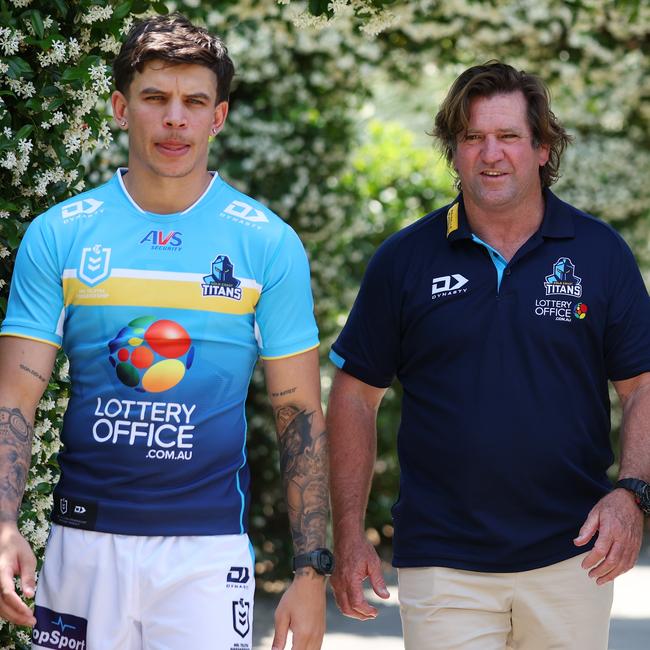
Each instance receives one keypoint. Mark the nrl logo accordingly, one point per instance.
(241, 622)
(95, 264)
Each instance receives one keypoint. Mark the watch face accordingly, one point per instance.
(325, 562)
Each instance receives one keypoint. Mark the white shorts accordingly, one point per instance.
(99, 591)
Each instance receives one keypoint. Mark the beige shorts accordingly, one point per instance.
(557, 607)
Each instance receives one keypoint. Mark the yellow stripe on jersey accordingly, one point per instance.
(452, 219)
(141, 292)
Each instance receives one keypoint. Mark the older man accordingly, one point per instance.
(503, 316)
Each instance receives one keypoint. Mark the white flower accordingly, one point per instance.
(126, 25)
(25, 147)
(9, 161)
(98, 73)
(4, 252)
(21, 3)
(96, 14)
(10, 40)
(7, 132)
(74, 49)
(110, 44)
(57, 118)
(3, 68)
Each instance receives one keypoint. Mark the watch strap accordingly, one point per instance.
(640, 489)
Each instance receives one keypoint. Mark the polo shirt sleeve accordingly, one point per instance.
(368, 346)
(36, 309)
(284, 315)
(627, 337)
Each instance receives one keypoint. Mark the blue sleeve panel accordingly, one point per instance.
(285, 311)
(35, 309)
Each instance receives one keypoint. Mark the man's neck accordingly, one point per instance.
(165, 195)
(506, 230)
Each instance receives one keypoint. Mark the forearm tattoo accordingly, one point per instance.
(15, 458)
(304, 467)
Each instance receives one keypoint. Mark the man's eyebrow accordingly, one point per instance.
(151, 90)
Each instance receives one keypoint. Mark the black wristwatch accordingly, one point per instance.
(321, 560)
(641, 491)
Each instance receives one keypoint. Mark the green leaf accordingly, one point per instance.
(61, 6)
(18, 68)
(122, 10)
(37, 23)
(71, 74)
(24, 132)
(50, 91)
(161, 8)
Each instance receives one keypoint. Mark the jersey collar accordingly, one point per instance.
(557, 222)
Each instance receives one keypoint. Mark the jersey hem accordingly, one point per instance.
(468, 565)
(290, 354)
(32, 338)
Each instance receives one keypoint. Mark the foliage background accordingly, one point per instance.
(327, 126)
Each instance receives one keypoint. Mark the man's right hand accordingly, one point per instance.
(357, 560)
(16, 559)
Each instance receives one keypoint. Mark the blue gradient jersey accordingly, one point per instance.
(162, 318)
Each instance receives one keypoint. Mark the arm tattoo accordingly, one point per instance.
(33, 372)
(15, 458)
(284, 392)
(304, 467)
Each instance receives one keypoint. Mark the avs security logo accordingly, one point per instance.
(80, 209)
(241, 621)
(57, 630)
(151, 355)
(95, 265)
(222, 281)
(237, 577)
(448, 285)
(564, 281)
(244, 214)
(159, 240)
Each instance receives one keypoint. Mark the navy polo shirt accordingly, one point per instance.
(504, 437)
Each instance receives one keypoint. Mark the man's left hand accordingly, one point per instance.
(301, 610)
(619, 524)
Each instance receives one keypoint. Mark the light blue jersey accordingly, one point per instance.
(162, 318)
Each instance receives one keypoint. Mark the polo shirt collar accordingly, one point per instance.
(557, 222)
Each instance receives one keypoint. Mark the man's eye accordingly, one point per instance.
(510, 137)
(154, 98)
(472, 137)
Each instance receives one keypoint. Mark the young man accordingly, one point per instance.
(162, 286)
(503, 315)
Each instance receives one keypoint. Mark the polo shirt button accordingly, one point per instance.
(507, 271)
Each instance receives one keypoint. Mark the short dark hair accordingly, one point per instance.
(174, 39)
(494, 78)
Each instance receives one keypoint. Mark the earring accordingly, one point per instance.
(214, 130)
(123, 123)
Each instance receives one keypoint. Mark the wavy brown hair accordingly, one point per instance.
(496, 78)
(175, 40)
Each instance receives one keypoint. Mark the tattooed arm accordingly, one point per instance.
(294, 389)
(25, 367)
